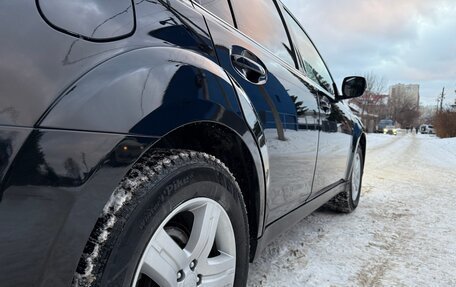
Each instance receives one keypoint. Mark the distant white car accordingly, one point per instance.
(427, 129)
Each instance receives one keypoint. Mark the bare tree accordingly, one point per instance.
(445, 123)
(372, 99)
(372, 102)
(405, 110)
(375, 84)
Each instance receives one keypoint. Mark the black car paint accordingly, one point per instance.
(103, 20)
(76, 113)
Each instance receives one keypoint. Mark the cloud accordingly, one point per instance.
(408, 41)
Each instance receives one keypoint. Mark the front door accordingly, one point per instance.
(335, 129)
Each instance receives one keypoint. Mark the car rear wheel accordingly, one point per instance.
(194, 245)
(177, 219)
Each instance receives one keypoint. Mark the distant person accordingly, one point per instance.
(416, 130)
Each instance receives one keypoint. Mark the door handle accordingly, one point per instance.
(248, 68)
(248, 64)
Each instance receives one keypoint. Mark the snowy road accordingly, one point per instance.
(402, 234)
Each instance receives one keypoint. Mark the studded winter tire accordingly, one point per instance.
(177, 219)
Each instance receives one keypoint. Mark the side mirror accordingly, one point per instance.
(352, 87)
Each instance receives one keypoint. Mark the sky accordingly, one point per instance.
(403, 41)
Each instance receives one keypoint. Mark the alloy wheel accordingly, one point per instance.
(194, 246)
(356, 177)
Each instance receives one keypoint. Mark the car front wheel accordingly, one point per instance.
(348, 200)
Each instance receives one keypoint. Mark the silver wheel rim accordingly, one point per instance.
(209, 255)
(356, 177)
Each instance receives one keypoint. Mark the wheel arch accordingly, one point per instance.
(359, 140)
(363, 145)
(237, 152)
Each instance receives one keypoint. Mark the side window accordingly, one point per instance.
(260, 20)
(311, 60)
(220, 8)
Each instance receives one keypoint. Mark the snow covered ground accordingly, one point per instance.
(402, 234)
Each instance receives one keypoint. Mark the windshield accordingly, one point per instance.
(386, 122)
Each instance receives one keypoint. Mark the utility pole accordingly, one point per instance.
(440, 99)
(454, 105)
